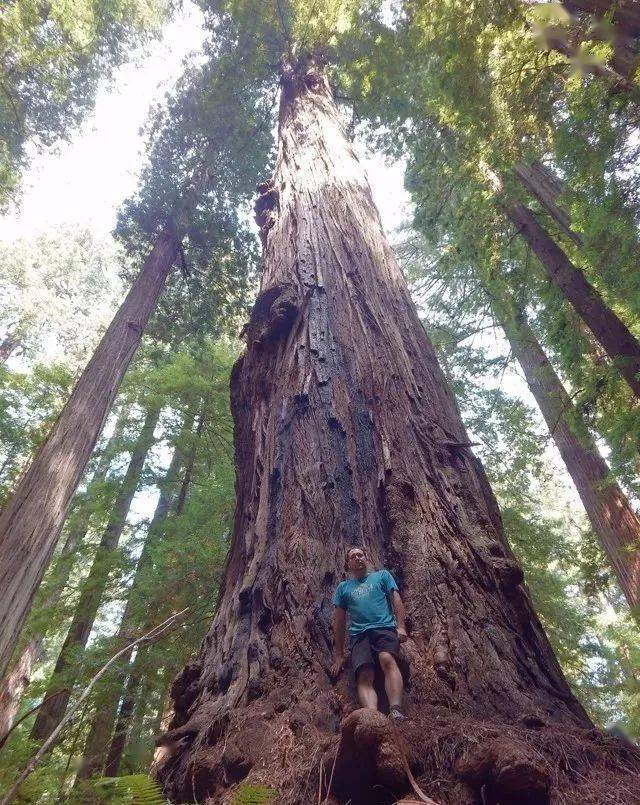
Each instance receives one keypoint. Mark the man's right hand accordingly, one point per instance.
(338, 665)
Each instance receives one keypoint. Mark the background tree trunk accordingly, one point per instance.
(621, 346)
(17, 679)
(346, 433)
(614, 521)
(545, 186)
(30, 523)
(105, 715)
(68, 664)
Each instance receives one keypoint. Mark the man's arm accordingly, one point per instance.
(398, 611)
(339, 622)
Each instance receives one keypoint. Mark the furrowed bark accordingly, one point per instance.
(68, 665)
(618, 342)
(18, 677)
(30, 523)
(104, 718)
(346, 433)
(614, 521)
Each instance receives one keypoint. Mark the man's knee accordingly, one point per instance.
(365, 675)
(387, 661)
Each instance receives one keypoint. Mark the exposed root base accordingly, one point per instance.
(456, 760)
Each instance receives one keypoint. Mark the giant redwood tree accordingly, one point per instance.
(346, 433)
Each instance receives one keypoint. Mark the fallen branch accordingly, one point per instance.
(154, 634)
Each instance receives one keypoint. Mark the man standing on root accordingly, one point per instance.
(372, 600)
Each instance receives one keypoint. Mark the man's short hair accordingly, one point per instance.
(352, 548)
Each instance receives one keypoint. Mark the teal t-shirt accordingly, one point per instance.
(367, 601)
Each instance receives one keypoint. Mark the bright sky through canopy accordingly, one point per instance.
(84, 181)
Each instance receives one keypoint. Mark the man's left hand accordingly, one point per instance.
(402, 635)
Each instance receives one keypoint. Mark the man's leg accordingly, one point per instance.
(366, 692)
(393, 683)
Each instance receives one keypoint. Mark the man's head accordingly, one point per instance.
(355, 561)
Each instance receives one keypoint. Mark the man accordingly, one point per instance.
(372, 600)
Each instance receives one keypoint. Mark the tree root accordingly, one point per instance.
(371, 754)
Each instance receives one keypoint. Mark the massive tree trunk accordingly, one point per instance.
(68, 665)
(18, 677)
(346, 433)
(30, 523)
(615, 523)
(105, 715)
(619, 343)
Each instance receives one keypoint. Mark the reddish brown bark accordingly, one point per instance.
(614, 521)
(618, 342)
(346, 433)
(67, 665)
(18, 677)
(30, 523)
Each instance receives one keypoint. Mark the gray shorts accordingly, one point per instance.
(365, 647)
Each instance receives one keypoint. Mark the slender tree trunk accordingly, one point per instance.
(30, 523)
(17, 679)
(104, 717)
(614, 521)
(619, 343)
(125, 712)
(163, 715)
(346, 433)
(67, 665)
(544, 185)
(188, 469)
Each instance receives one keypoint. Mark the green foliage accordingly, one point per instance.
(29, 404)
(44, 287)
(132, 789)
(52, 57)
(253, 795)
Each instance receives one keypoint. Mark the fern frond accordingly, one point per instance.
(135, 789)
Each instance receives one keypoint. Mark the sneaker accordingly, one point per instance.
(396, 714)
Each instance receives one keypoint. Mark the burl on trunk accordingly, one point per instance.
(346, 433)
